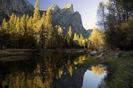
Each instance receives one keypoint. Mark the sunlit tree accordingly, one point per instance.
(49, 28)
(36, 15)
(18, 25)
(4, 25)
(97, 38)
(36, 18)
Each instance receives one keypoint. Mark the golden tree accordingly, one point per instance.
(97, 38)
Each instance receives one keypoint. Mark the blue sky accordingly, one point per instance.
(87, 9)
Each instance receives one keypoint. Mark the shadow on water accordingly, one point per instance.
(52, 71)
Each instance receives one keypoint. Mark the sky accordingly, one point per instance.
(87, 9)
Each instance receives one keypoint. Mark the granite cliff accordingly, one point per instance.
(66, 17)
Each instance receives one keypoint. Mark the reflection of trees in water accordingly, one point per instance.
(28, 80)
(99, 69)
(46, 70)
(81, 59)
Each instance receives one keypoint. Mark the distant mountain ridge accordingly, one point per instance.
(65, 17)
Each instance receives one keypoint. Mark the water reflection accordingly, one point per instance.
(49, 71)
(93, 77)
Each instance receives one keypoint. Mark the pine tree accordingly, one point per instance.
(69, 37)
(43, 34)
(48, 20)
(36, 18)
(49, 28)
(30, 26)
(81, 40)
(4, 25)
(76, 37)
(36, 15)
(60, 38)
(70, 32)
(60, 30)
(12, 22)
(18, 25)
(43, 37)
(22, 24)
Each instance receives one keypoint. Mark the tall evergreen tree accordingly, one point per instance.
(30, 26)
(18, 25)
(49, 28)
(43, 34)
(22, 24)
(36, 18)
(69, 37)
(12, 22)
(5, 25)
(36, 15)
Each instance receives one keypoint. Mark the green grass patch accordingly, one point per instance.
(120, 71)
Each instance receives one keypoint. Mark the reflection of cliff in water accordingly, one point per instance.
(49, 71)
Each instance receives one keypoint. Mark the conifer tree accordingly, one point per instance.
(36, 18)
(69, 37)
(70, 32)
(30, 26)
(60, 38)
(11, 23)
(48, 20)
(81, 40)
(22, 24)
(4, 25)
(43, 34)
(49, 28)
(75, 38)
(36, 15)
(18, 25)
(60, 30)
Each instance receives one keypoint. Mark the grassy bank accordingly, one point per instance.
(120, 70)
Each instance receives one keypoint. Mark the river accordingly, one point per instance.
(53, 70)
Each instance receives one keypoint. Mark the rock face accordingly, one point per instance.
(67, 17)
(18, 7)
(15, 6)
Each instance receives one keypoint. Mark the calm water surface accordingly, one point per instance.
(52, 71)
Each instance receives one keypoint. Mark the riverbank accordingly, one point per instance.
(8, 55)
(24, 54)
(21, 51)
(120, 73)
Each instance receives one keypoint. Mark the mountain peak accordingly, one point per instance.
(69, 7)
(54, 7)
